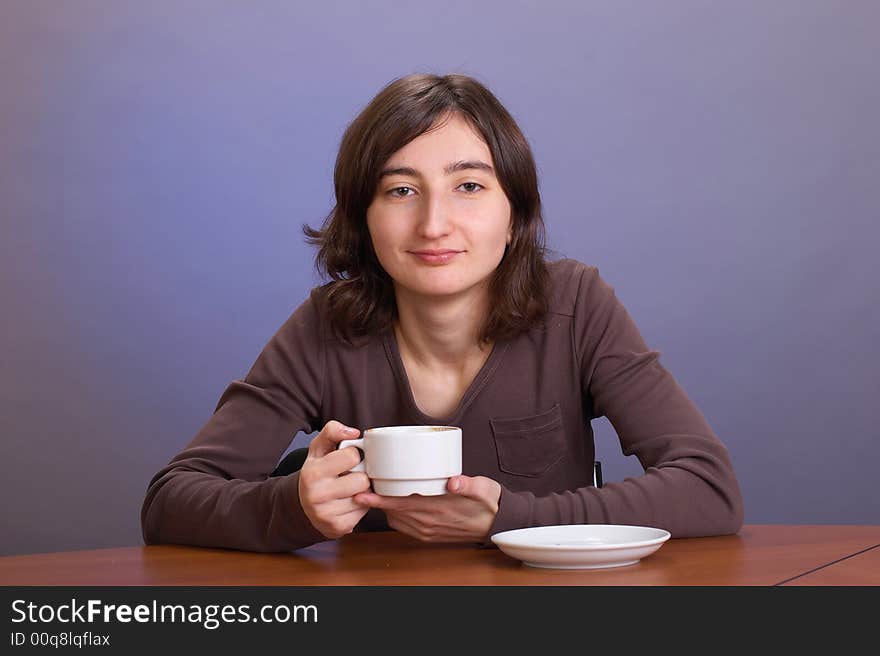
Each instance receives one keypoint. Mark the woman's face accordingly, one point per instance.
(439, 193)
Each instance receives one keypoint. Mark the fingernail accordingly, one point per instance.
(455, 484)
(351, 431)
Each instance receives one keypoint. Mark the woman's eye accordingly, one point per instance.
(394, 191)
(471, 184)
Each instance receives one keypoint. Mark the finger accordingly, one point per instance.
(374, 500)
(428, 529)
(330, 436)
(370, 499)
(401, 524)
(337, 462)
(347, 508)
(418, 519)
(327, 490)
(337, 525)
(348, 486)
(340, 507)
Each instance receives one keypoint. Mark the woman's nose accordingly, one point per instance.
(434, 217)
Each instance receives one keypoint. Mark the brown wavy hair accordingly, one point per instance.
(360, 297)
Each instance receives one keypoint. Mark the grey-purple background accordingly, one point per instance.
(718, 161)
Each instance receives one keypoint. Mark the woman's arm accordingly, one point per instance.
(215, 492)
(689, 486)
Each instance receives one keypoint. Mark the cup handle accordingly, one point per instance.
(359, 443)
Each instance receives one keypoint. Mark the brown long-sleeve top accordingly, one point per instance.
(525, 423)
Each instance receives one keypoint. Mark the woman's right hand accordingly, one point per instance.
(325, 495)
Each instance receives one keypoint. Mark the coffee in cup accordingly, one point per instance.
(404, 460)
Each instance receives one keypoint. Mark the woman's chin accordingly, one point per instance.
(440, 284)
(438, 288)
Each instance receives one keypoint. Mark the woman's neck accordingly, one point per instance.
(441, 333)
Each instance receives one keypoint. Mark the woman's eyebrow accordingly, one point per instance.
(449, 169)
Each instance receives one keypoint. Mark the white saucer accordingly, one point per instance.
(581, 546)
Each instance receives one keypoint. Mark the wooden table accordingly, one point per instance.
(759, 555)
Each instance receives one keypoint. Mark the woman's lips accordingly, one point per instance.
(436, 257)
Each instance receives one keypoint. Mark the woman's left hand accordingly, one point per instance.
(464, 514)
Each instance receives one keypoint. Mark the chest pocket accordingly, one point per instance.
(529, 446)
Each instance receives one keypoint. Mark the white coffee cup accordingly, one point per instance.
(404, 460)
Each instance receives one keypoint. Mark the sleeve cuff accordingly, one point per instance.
(294, 525)
(514, 511)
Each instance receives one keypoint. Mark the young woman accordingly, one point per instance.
(443, 309)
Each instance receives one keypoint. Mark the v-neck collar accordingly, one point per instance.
(392, 350)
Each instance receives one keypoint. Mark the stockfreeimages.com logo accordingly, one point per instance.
(210, 616)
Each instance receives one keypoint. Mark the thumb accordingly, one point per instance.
(461, 485)
(479, 488)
